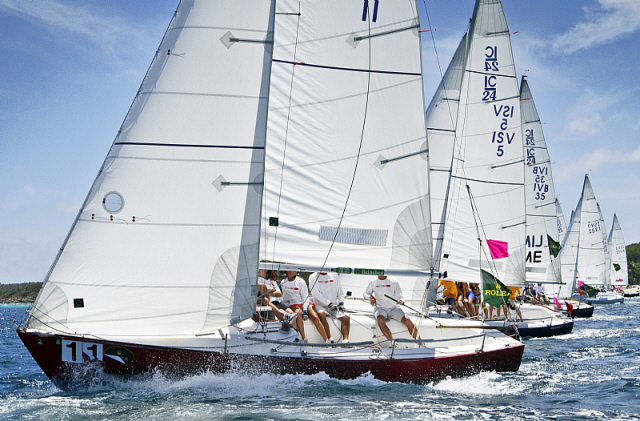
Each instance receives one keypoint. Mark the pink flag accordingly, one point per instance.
(621, 280)
(498, 249)
(580, 283)
(557, 303)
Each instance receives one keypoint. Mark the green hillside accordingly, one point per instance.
(19, 293)
(633, 260)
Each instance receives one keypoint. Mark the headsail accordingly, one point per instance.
(485, 197)
(570, 253)
(619, 269)
(543, 243)
(346, 181)
(166, 242)
(607, 249)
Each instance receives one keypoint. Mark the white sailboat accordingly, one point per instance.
(619, 269)
(263, 133)
(545, 222)
(591, 262)
(476, 154)
(567, 291)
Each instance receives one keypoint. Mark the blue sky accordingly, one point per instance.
(70, 70)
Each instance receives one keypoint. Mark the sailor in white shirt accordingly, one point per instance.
(328, 297)
(386, 308)
(296, 295)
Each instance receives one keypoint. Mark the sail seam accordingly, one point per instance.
(187, 145)
(493, 74)
(348, 69)
(202, 94)
(488, 182)
(171, 224)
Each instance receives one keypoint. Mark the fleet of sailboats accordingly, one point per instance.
(286, 136)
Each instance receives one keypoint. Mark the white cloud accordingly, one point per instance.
(595, 159)
(109, 33)
(586, 115)
(612, 20)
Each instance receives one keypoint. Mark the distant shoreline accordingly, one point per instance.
(23, 294)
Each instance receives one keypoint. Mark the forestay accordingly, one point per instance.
(166, 242)
(486, 192)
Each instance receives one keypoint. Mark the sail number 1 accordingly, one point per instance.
(75, 351)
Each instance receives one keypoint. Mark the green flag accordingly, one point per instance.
(616, 267)
(494, 292)
(554, 246)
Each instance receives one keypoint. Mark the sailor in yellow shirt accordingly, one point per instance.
(451, 295)
(513, 305)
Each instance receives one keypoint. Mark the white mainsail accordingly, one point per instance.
(619, 268)
(591, 268)
(166, 242)
(542, 242)
(442, 119)
(485, 196)
(346, 180)
(569, 254)
(562, 225)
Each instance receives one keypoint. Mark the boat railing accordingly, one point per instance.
(367, 343)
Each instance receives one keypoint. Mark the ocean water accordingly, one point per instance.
(591, 374)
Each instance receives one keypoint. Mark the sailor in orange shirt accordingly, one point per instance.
(451, 295)
(513, 305)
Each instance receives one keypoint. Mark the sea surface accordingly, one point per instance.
(591, 374)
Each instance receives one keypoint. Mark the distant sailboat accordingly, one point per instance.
(591, 262)
(619, 269)
(275, 135)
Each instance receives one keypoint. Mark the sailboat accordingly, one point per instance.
(476, 154)
(567, 290)
(619, 269)
(283, 136)
(591, 262)
(544, 232)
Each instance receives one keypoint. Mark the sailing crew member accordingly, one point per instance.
(541, 293)
(328, 297)
(468, 298)
(378, 293)
(296, 294)
(268, 286)
(451, 295)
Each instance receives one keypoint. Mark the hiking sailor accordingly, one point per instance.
(328, 297)
(378, 293)
(296, 294)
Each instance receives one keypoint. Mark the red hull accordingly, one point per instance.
(47, 351)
